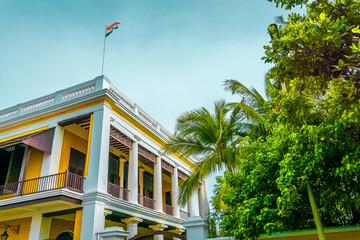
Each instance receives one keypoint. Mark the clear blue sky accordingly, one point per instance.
(168, 56)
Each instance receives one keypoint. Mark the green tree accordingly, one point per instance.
(314, 148)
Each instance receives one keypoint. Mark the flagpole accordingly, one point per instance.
(102, 70)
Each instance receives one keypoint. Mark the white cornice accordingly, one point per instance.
(131, 209)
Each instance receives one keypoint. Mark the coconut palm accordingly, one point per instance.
(253, 106)
(212, 137)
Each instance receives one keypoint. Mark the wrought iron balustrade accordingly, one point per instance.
(56, 181)
(146, 201)
(184, 215)
(118, 191)
(168, 209)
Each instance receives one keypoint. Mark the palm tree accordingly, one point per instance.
(253, 106)
(212, 137)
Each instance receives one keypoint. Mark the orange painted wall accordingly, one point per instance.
(25, 224)
(70, 141)
(59, 225)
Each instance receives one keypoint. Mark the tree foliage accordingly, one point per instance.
(314, 112)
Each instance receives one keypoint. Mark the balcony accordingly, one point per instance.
(184, 215)
(168, 209)
(146, 201)
(66, 179)
(118, 191)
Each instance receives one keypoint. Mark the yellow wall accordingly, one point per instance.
(77, 227)
(25, 224)
(59, 225)
(70, 141)
(33, 168)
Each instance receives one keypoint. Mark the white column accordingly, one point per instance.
(50, 164)
(121, 172)
(203, 203)
(207, 206)
(113, 233)
(174, 189)
(40, 227)
(133, 173)
(158, 227)
(191, 206)
(158, 185)
(35, 226)
(141, 181)
(131, 225)
(93, 220)
(96, 180)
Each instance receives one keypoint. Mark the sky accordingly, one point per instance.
(168, 56)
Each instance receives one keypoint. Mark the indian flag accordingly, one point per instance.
(111, 28)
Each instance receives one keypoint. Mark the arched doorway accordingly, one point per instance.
(65, 236)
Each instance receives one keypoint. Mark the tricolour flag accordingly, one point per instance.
(111, 28)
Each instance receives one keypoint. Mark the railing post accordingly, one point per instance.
(19, 192)
(66, 178)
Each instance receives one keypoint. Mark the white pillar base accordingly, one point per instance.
(113, 233)
(196, 228)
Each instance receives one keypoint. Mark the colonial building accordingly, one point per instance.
(86, 158)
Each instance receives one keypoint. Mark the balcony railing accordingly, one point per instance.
(118, 191)
(184, 215)
(168, 209)
(56, 181)
(146, 201)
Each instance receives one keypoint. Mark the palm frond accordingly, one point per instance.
(249, 96)
(202, 170)
(267, 85)
(253, 116)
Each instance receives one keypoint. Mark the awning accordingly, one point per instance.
(40, 140)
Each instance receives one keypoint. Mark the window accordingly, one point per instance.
(11, 159)
(168, 198)
(148, 185)
(113, 173)
(77, 162)
(126, 172)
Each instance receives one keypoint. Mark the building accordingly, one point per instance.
(86, 158)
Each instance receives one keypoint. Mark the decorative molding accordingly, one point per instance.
(137, 138)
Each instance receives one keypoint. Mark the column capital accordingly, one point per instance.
(107, 212)
(159, 226)
(178, 230)
(141, 169)
(132, 220)
(122, 159)
(137, 138)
